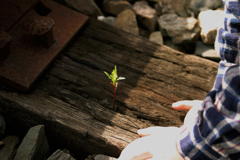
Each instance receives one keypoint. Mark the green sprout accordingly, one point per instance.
(114, 77)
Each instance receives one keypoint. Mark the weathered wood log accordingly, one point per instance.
(74, 98)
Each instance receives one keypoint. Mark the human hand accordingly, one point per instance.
(192, 106)
(156, 143)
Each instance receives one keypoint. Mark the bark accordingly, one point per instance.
(74, 98)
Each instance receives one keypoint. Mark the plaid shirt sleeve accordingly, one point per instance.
(215, 132)
(227, 43)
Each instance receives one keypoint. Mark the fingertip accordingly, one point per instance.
(140, 132)
(187, 105)
(143, 132)
(177, 106)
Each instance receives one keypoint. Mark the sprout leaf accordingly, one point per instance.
(113, 76)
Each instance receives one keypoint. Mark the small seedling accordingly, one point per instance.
(114, 77)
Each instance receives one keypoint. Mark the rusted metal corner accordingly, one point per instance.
(28, 58)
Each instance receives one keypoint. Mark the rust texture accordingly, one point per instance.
(12, 11)
(5, 40)
(28, 58)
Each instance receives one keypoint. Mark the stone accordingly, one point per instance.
(2, 126)
(156, 37)
(7, 152)
(207, 51)
(161, 8)
(146, 15)
(34, 145)
(91, 157)
(88, 7)
(196, 6)
(60, 155)
(209, 21)
(182, 30)
(116, 7)
(179, 7)
(110, 19)
(103, 157)
(127, 21)
(171, 7)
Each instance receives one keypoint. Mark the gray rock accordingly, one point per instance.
(209, 21)
(8, 151)
(110, 20)
(127, 21)
(206, 51)
(161, 8)
(156, 37)
(146, 15)
(60, 155)
(88, 7)
(179, 7)
(103, 157)
(116, 7)
(34, 145)
(172, 6)
(182, 30)
(197, 6)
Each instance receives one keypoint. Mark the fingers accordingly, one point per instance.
(182, 105)
(143, 156)
(185, 104)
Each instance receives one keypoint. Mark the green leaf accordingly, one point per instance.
(113, 76)
(107, 74)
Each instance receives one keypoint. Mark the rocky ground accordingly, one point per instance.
(34, 145)
(188, 26)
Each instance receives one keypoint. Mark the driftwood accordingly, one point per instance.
(74, 97)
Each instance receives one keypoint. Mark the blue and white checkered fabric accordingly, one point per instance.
(227, 42)
(215, 132)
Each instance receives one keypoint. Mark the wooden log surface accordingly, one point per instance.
(74, 98)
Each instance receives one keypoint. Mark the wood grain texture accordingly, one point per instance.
(74, 98)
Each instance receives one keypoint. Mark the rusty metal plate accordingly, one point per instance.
(28, 59)
(11, 11)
